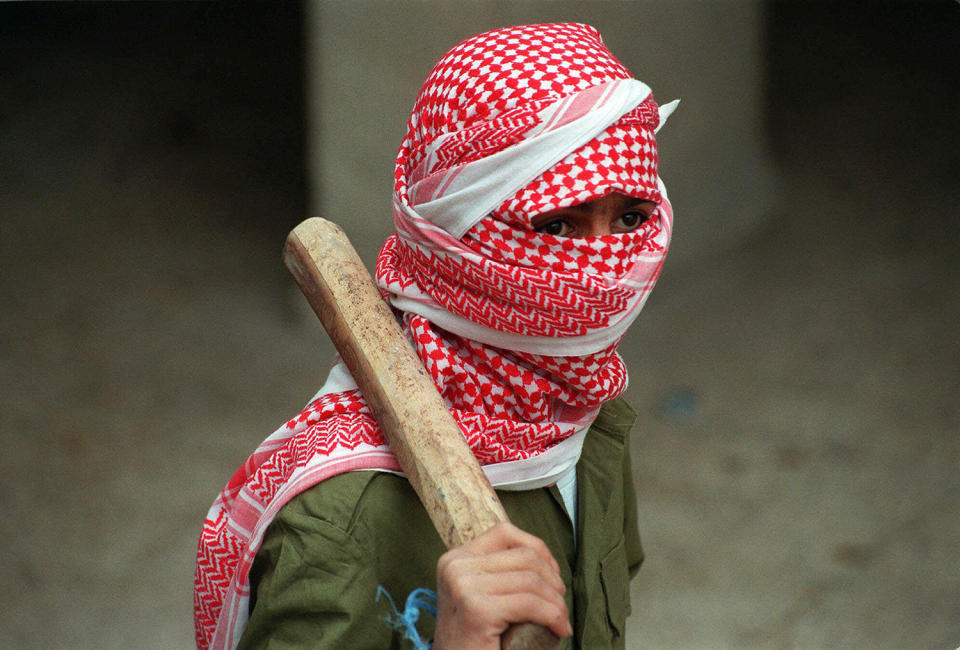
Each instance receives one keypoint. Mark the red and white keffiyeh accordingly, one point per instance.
(518, 329)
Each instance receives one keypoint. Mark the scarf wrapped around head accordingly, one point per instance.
(518, 329)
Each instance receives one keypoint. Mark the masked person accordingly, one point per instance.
(531, 226)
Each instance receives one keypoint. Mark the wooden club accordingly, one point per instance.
(415, 421)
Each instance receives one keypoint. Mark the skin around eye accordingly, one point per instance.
(632, 220)
(614, 213)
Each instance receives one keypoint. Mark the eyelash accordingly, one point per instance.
(643, 218)
(546, 228)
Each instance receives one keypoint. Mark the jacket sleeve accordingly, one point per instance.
(631, 527)
(313, 589)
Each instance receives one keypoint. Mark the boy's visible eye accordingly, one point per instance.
(555, 227)
(630, 221)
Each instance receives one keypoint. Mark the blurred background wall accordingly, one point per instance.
(796, 369)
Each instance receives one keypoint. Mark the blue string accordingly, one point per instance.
(406, 622)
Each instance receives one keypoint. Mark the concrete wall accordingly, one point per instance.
(366, 61)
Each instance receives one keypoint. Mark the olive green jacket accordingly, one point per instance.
(314, 581)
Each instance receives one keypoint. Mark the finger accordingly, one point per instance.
(511, 582)
(523, 607)
(521, 559)
(505, 535)
(475, 598)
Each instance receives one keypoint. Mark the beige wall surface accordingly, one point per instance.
(366, 61)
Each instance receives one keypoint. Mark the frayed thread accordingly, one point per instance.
(419, 599)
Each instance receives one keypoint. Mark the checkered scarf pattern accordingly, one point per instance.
(518, 329)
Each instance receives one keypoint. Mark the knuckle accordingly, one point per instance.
(443, 564)
(538, 545)
(448, 570)
(530, 557)
(501, 531)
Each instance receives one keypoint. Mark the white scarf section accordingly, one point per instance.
(457, 198)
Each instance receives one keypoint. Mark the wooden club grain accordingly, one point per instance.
(421, 431)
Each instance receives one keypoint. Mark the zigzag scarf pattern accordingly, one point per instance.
(518, 329)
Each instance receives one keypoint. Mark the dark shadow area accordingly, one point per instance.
(151, 163)
(869, 94)
(208, 93)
